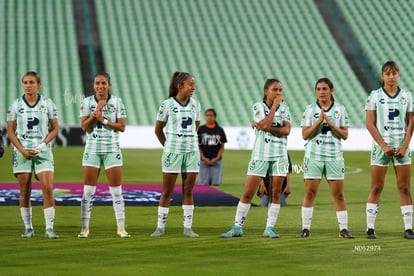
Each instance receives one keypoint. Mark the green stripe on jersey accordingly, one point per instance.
(32, 121)
(102, 139)
(180, 125)
(324, 145)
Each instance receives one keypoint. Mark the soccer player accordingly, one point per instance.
(179, 116)
(389, 120)
(269, 155)
(211, 140)
(102, 116)
(29, 119)
(324, 124)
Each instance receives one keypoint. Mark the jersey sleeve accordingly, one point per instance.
(198, 111)
(410, 107)
(11, 112)
(223, 136)
(306, 117)
(121, 109)
(371, 102)
(258, 112)
(344, 122)
(52, 110)
(285, 113)
(84, 108)
(162, 114)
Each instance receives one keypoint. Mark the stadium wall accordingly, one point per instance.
(239, 138)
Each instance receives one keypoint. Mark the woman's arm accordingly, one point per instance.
(341, 132)
(372, 129)
(400, 152)
(159, 126)
(11, 129)
(309, 131)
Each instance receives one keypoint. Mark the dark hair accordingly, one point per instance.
(34, 74)
(177, 78)
(328, 82)
(389, 66)
(268, 83)
(214, 112)
(104, 74)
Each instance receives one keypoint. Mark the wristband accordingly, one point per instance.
(105, 122)
(40, 147)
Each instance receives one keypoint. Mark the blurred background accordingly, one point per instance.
(230, 46)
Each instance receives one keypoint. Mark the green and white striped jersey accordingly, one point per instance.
(269, 147)
(180, 128)
(32, 121)
(102, 139)
(324, 145)
(391, 114)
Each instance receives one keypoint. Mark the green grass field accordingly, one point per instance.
(324, 253)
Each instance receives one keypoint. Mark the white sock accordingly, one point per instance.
(26, 214)
(307, 213)
(162, 216)
(188, 211)
(86, 204)
(119, 205)
(372, 211)
(241, 213)
(342, 217)
(272, 214)
(49, 217)
(407, 214)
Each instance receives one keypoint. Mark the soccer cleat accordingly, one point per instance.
(305, 233)
(159, 232)
(84, 233)
(345, 234)
(188, 232)
(408, 234)
(235, 231)
(123, 234)
(371, 234)
(28, 233)
(51, 234)
(269, 232)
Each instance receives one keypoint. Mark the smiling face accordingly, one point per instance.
(101, 86)
(187, 87)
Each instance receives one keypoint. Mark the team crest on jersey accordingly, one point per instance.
(403, 101)
(336, 114)
(167, 162)
(252, 165)
(43, 108)
(111, 108)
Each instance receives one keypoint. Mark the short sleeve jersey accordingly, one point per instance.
(391, 114)
(269, 147)
(32, 121)
(324, 145)
(180, 128)
(102, 139)
(210, 140)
